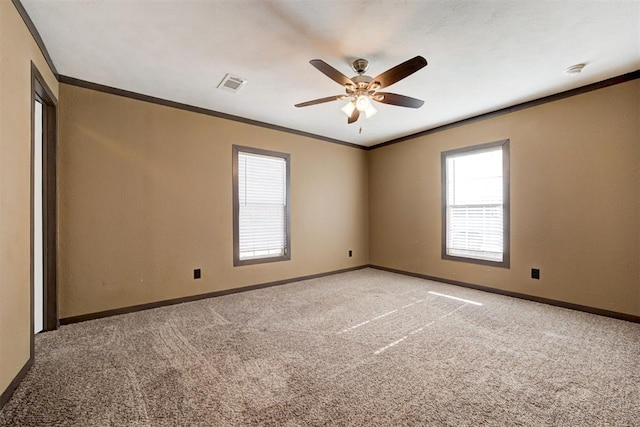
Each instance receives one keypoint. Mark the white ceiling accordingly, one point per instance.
(483, 55)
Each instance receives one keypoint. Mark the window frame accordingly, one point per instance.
(236, 207)
(506, 203)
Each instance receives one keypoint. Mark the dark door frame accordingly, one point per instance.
(42, 93)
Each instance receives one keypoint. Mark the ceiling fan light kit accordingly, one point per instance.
(362, 89)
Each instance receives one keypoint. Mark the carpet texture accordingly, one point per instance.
(365, 348)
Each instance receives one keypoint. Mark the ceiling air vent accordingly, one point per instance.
(232, 83)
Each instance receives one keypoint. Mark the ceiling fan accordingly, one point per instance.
(362, 89)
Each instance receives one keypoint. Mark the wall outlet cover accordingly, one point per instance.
(535, 273)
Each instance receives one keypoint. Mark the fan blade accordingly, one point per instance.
(400, 100)
(320, 101)
(331, 72)
(353, 117)
(399, 72)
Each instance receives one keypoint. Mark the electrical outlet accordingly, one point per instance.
(535, 273)
(350, 254)
(197, 273)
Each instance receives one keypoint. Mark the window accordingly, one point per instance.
(475, 204)
(261, 230)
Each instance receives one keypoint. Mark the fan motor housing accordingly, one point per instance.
(361, 79)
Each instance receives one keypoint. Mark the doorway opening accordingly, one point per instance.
(44, 304)
(38, 219)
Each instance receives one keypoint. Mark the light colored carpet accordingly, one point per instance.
(365, 348)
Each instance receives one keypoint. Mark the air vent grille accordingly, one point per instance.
(232, 83)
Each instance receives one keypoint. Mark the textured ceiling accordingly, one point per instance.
(483, 55)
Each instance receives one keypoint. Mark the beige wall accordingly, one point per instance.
(145, 197)
(575, 201)
(17, 50)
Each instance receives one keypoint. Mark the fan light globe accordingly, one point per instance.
(370, 111)
(362, 103)
(349, 108)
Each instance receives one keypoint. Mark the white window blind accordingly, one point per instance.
(262, 206)
(475, 205)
